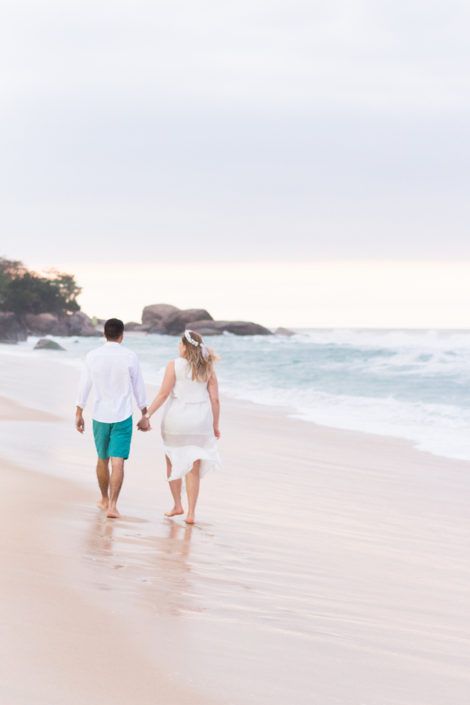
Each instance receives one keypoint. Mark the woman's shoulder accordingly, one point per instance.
(179, 364)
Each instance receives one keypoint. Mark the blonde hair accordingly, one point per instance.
(201, 366)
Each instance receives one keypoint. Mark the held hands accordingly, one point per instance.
(144, 424)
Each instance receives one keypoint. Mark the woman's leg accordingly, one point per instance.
(175, 487)
(192, 489)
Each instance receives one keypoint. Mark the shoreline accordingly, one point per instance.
(451, 444)
(10, 409)
(315, 550)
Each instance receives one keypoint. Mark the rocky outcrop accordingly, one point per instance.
(49, 324)
(41, 323)
(170, 320)
(236, 327)
(47, 344)
(133, 327)
(179, 321)
(284, 331)
(12, 330)
(81, 324)
(156, 315)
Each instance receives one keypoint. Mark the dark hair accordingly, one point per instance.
(113, 328)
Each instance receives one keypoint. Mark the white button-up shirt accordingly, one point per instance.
(113, 371)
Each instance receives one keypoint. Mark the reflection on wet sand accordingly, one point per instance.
(153, 570)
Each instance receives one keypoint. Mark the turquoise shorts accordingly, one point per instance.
(113, 440)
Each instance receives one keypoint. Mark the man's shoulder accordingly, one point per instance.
(118, 351)
(130, 353)
(93, 353)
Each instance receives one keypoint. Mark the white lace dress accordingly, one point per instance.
(187, 425)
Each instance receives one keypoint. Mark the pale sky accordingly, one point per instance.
(341, 294)
(256, 130)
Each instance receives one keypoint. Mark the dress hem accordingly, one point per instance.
(182, 459)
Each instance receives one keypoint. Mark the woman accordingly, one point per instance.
(190, 423)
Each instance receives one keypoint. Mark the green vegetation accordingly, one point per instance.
(23, 291)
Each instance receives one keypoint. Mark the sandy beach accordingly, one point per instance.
(326, 567)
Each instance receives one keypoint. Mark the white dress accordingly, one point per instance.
(187, 425)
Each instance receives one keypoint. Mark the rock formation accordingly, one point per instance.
(47, 344)
(158, 318)
(49, 324)
(235, 327)
(133, 327)
(170, 320)
(41, 323)
(81, 324)
(284, 331)
(12, 330)
(179, 321)
(155, 316)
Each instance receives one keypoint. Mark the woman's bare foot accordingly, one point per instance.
(103, 503)
(175, 511)
(113, 513)
(190, 519)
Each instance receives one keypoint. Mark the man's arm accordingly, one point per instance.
(82, 396)
(79, 420)
(138, 387)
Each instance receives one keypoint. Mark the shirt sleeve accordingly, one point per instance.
(138, 386)
(84, 387)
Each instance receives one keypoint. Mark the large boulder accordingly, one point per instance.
(284, 331)
(12, 330)
(47, 344)
(81, 324)
(180, 320)
(164, 318)
(156, 315)
(205, 327)
(133, 327)
(41, 323)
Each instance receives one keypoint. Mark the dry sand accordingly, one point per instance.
(326, 567)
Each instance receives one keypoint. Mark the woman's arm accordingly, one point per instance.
(167, 385)
(213, 389)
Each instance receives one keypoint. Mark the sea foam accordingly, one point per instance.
(409, 384)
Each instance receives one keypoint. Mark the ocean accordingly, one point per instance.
(412, 384)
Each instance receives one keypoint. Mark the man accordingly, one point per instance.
(114, 373)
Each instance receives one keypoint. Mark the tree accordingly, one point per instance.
(23, 291)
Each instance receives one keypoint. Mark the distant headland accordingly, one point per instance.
(33, 304)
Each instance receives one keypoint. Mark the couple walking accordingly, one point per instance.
(190, 423)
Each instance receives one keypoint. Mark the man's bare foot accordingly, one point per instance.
(103, 503)
(190, 519)
(113, 513)
(175, 511)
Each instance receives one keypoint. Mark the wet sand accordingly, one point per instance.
(59, 645)
(326, 567)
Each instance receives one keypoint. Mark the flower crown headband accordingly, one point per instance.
(197, 344)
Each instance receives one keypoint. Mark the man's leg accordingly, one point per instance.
(118, 450)
(115, 484)
(102, 473)
(175, 488)
(101, 434)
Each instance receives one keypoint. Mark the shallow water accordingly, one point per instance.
(408, 384)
